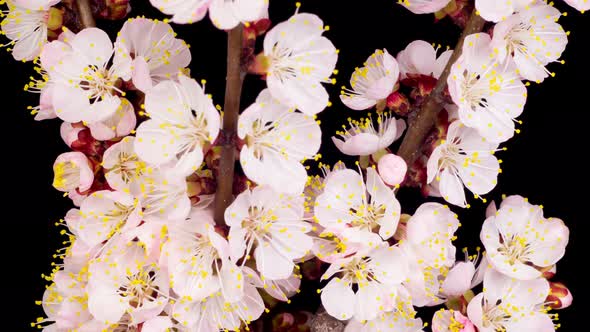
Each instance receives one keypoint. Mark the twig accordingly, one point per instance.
(426, 116)
(85, 13)
(233, 92)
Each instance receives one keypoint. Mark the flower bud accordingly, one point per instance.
(560, 296)
(392, 169)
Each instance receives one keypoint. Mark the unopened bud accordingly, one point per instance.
(560, 296)
(398, 103)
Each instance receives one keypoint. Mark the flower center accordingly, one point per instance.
(140, 287)
(129, 167)
(515, 249)
(367, 215)
(98, 82)
(67, 176)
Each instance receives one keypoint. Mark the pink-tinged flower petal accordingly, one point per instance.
(120, 124)
(581, 5)
(392, 169)
(451, 188)
(368, 300)
(419, 57)
(183, 11)
(69, 133)
(232, 282)
(141, 74)
(105, 304)
(72, 171)
(271, 263)
(94, 44)
(338, 299)
(157, 324)
(424, 6)
(458, 280)
(362, 144)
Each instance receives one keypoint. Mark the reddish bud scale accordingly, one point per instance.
(298, 321)
(312, 269)
(457, 10)
(111, 9)
(398, 103)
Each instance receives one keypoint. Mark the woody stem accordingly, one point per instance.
(85, 13)
(233, 91)
(425, 118)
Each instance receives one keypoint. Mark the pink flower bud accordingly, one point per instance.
(560, 296)
(392, 169)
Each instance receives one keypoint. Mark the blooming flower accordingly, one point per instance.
(495, 11)
(298, 59)
(581, 5)
(463, 159)
(277, 139)
(420, 58)
(372, 83)
(163, 195)
(532, 39)
(122, 166)
(397, 321)
(378, 276)
(151, 51)
(105, 214)
(510, 305)
(120, 124)
(182, 120)
(25, 25)
(273, 223)
(490, 95)
(430, 251)
(451, 321)
(362, 139)
(281, 289)
(72, 173)
(354, 208)
(518, 238)
(223, 13)
(198, 260)
(217, 313)
(424, 6)
(126, 283)
(84, 85)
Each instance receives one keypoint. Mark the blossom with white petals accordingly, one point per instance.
(225, 14)
(430, 251)
(120, 124)
(378, 275)
(464, 159)
(510, 305)
(198, 260)
(298, 59)
(277, 139)
(424, 6)
(354, 208)
(371, 83)
(518, 238)
(216, 313)
(126, 283)
(122, 166)
(496, 11)
(270, 224)
(84, 85)
(182, 120)
(489, 94)
(532, 38)
(163, 196)
(451, 321)
(420, 58)
(581, 5)
(25, 25)
(104, 215)
(281, 289)
(363, 139)
(152, 52)
(72, 172)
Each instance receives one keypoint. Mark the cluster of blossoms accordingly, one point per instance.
(144, 251)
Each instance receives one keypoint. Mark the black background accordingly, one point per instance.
(547, 162)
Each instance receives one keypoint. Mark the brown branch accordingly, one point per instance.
(419, 128)
(233, 92)
(85, 13)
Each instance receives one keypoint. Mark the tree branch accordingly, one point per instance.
(85, 13)
(231, 108)
(419, 128)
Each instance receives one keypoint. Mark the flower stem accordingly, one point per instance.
(419, 128)
(233, 91)
(85, 13)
